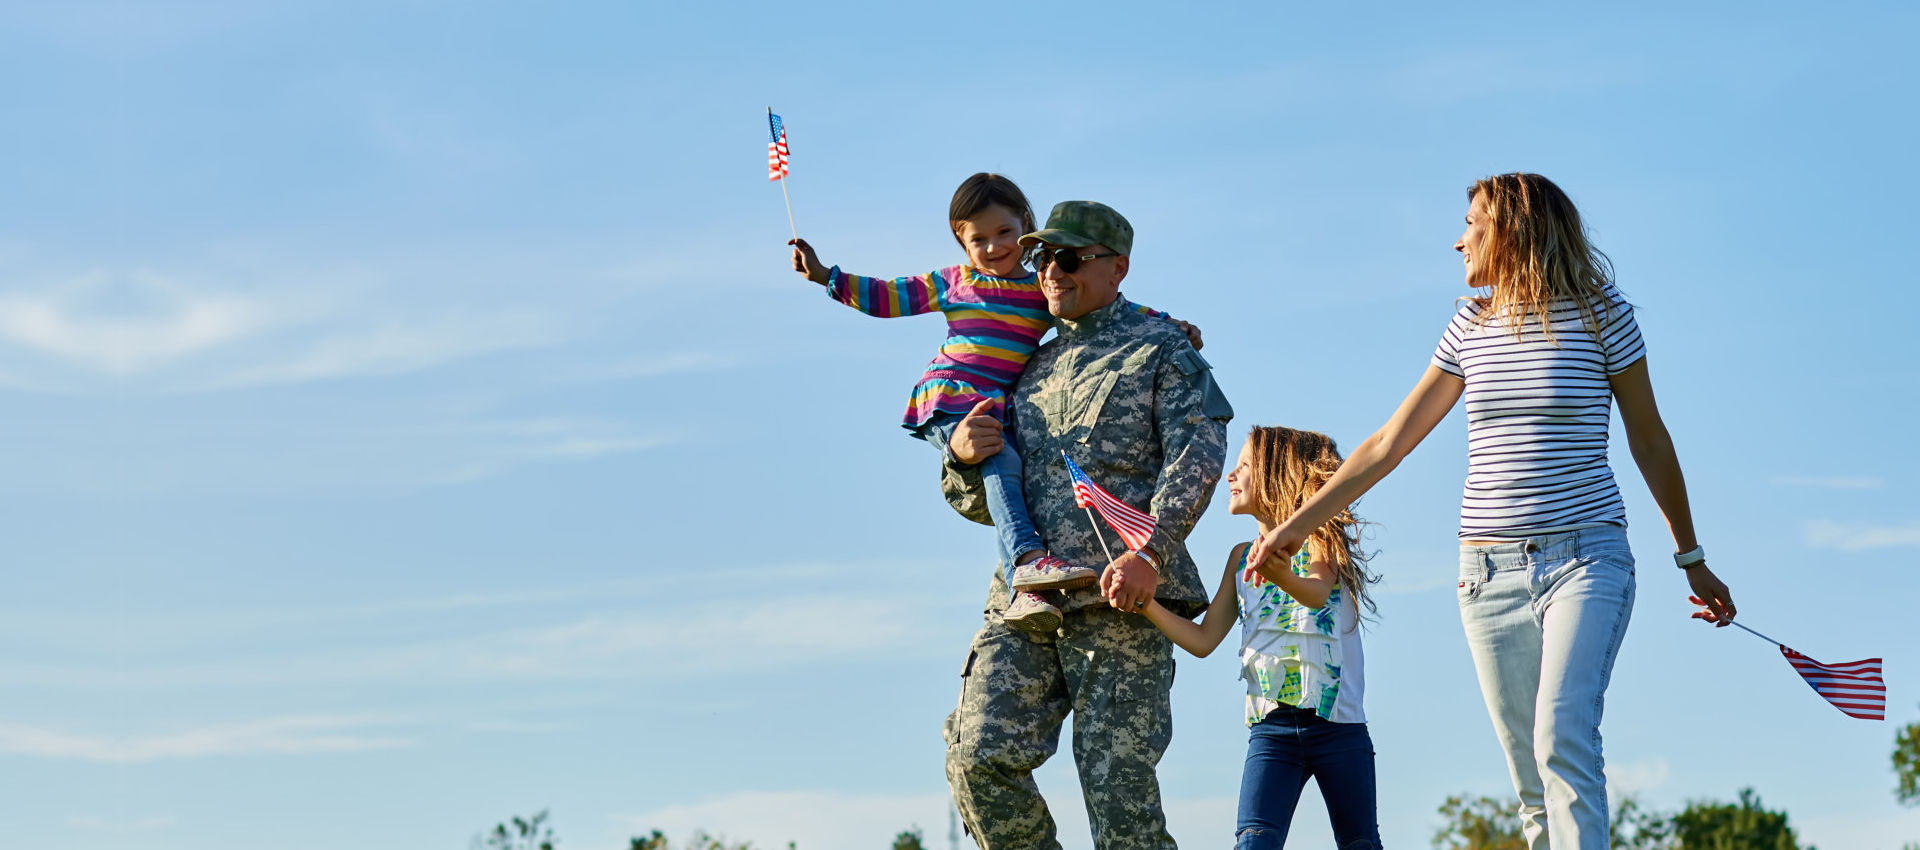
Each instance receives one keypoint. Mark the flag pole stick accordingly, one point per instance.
(784, 174)
(789, 201)
(1756, 634)
(1096, 533)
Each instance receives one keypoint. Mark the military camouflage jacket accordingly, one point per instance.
(1134, 405)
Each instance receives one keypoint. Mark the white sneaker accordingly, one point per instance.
(1031, 612)
(1050, 573)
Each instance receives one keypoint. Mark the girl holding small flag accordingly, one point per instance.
(1546, 580)
(1299, 647)
(995, 317)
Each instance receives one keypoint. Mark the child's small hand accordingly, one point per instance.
(1273, 543)
(1193, 333)
(806, 262)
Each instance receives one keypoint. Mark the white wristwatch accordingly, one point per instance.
(1696, 555)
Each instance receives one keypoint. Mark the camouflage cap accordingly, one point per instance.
(1077, 224)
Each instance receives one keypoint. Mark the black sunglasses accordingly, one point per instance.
(1066, 258)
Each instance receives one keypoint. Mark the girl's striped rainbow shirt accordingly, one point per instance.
(993, 326)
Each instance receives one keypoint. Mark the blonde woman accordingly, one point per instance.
(1546, 581)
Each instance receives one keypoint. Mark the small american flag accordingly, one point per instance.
(776, 147)
(1855, 688)
(1134, 527)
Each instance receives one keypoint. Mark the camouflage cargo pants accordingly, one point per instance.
(1112, 671)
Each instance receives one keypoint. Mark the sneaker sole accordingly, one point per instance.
(1038, 622)
(1069, 583)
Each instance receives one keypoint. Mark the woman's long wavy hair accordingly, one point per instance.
(1536, 253)
(1286, 467)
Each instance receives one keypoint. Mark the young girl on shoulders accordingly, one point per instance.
(1299, 647)
(995, 317)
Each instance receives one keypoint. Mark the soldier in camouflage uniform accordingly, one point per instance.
(1134, 405)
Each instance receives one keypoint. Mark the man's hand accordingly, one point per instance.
(977, 437)
(1711, 594)
(806, 262)
(1129, 583)
(1193, 333)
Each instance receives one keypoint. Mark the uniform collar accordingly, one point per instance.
(1092, 323)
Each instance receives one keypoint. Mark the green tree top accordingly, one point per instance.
(1733, 826)
(1906, 763)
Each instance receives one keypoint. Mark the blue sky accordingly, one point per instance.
(412, 422)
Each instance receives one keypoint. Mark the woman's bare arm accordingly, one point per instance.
(1423, 409)
(1653, 452)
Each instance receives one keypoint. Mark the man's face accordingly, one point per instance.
(1088, 288)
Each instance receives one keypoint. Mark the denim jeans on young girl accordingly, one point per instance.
(1544, 618)
(1005, 491)
(1283, 749)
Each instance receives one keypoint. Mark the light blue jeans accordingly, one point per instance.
(1544, 618)
(1003, 482)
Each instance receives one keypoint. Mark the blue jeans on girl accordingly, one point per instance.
(1285, 748)
(1005, 491)
(1544, 618)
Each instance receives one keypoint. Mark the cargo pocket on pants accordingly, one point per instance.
(950, 730)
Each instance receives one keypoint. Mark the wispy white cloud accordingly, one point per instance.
(232, 323)
(128, 325)
(288, 735)
(499, 446)
(395, 347)
(1638, 777)
(1861, 536)
(617, 642)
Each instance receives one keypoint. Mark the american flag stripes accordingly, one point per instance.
(1855, 687)
(776, 147)
(1135, 528)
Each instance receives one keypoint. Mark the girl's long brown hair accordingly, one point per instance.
(1535, 253)
(1287, 466)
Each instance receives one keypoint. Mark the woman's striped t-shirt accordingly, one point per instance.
(993, 326)
(1537, 414)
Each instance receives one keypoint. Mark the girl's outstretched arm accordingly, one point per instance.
(886, 298)
(1201, 638)
(1659, 464)
(1423, 409)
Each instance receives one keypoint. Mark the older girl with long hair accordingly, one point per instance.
(1546, 581)
(1299, 648)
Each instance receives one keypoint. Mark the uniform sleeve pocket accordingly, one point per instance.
(1189, 362)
